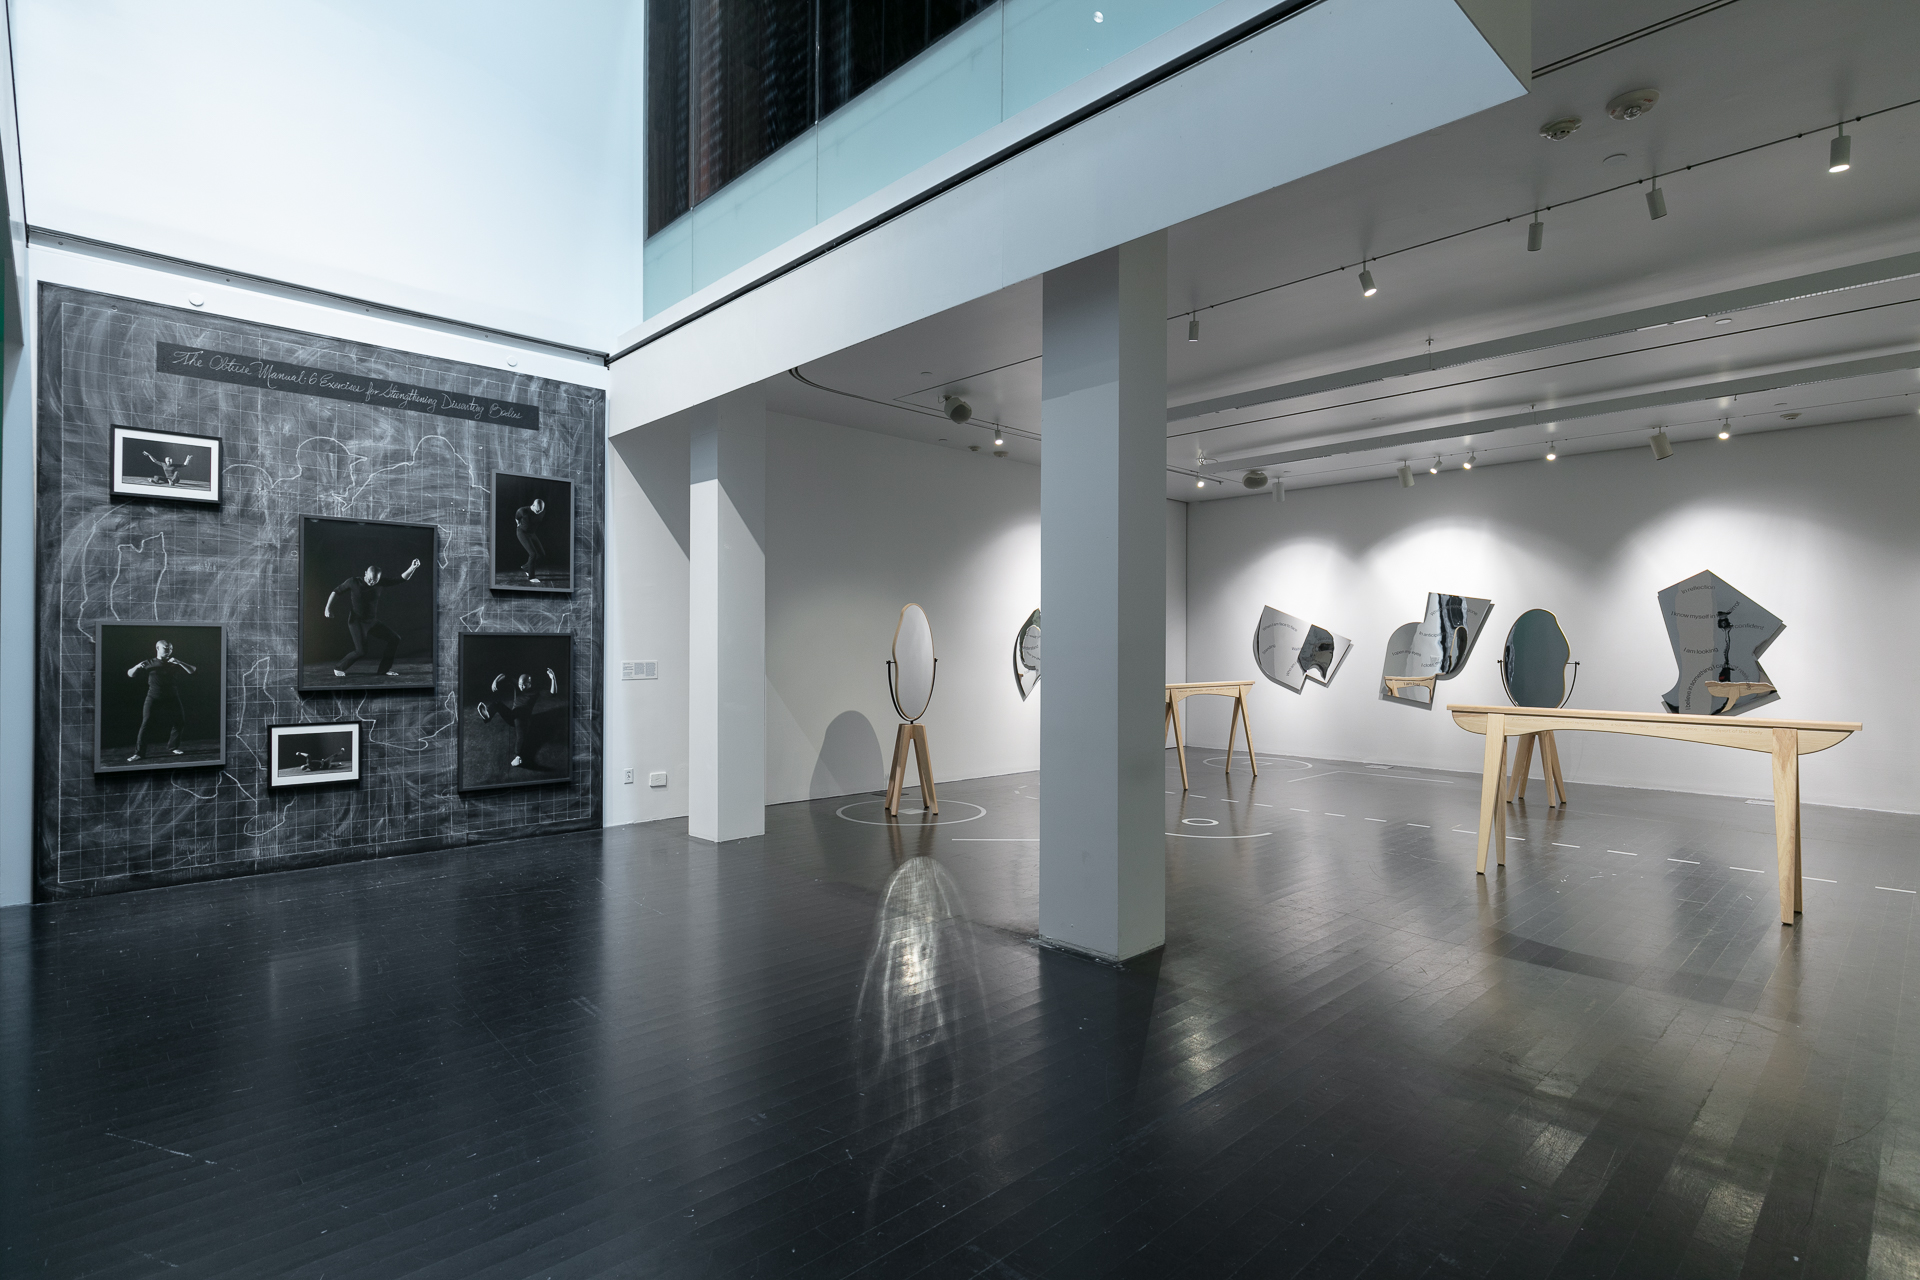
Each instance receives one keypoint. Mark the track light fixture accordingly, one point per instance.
(1199, 482)
(1536, 234)
(1840, 153)
(1406, 476)
(1552, 456)
(956, 409)
(1367, 287)
(1726, 428)
(1193, 328)
(998, 438)
(1662, 447)
(1434, 470)
(1468, 464)
(1656, 201)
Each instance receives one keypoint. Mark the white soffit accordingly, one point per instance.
(1338, 80)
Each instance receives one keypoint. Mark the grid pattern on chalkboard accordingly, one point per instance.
(286, 456)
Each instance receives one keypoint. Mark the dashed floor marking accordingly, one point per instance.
(1821, 879)
(1521, 839)
(1689, 861)
(1757, 871)
(1425, 826)
(1890, 889)
(1558, 845)
(1629, 853)
(1258, 805)
(1333, 815)
(1373, 819)
(1300, 810)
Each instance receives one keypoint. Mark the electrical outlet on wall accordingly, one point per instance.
(629, 777)
(656, 779)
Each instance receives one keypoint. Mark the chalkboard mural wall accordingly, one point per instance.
(310, 426)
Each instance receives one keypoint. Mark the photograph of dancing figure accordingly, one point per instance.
(303, 755)
(516, 710)
(532, 534)
(159, 696)
(166, 464)
(366, 604)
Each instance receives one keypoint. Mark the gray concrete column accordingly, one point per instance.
(727, 619)
(1103, 420)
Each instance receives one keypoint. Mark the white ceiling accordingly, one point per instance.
(1735, 77)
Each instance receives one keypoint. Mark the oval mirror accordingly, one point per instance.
(911, 671)
(1026, 655)
(1534, 666)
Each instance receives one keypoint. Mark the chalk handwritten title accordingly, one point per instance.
(275, 375)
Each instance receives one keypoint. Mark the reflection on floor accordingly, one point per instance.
(836, 1051)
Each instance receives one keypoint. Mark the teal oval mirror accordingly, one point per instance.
(1534, 666)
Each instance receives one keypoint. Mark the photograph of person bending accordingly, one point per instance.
(363, 618)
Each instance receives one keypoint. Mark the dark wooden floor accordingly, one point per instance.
(824, 1054)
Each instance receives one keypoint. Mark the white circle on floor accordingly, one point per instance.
(1265, 762)
(923, 819)
(1200, 822)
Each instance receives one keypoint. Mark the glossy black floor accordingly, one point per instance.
(825, 1054)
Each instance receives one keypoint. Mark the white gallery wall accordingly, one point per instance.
(478, 164)
(1816, 524)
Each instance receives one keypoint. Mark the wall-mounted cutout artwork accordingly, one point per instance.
(1717, 635)
(1433, 649)
(366, 604)
(159, 696)
(1291, 651)
(1026, 655)
(532, 534)
(306, 755)
(516, 710)
(1533, 666)
(165, 464)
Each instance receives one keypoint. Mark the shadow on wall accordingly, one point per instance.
(658, 462)
(849, 758)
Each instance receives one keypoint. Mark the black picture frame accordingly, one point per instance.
(533, 726)
(399, 647)
(129, 712)
(547, 545)
(309, 753)
(135, 470)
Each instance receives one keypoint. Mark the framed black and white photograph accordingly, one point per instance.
(516, 710)
(165, 464)
(159, 696)
(305, 755)
(366, 604)
(532, 534)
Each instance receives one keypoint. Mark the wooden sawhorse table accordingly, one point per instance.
(1785, 740)
(1235, 689)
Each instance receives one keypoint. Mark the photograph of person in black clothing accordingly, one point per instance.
(516, 710)
(363, 618)
(166, 464)
(361, 628)
(304, 755)
(160, 696)
(532, 534)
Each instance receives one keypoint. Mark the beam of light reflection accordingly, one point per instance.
(922, 1043)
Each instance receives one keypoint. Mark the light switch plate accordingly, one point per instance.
(656, 779)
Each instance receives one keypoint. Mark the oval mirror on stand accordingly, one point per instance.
(910, 682)
(1533, 667)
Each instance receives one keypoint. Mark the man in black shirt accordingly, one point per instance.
(526, 526)
(169, 474)
(163, 698)
(519, 714)
(363, 618)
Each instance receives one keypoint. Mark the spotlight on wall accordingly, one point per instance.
(1536, 234)
(956, 409)
(1656, 201)
(1552, 456)
(1254, 479)
(998, 438)
(1434, 470)
(1406, 476)
(1367, 287)
(1726, 428)
(1199, 482)
(1193, 328)
(1468, 464)
(1661, 446)
(1840, 153)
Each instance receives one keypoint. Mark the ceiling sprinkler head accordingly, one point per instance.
(1634, 104)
